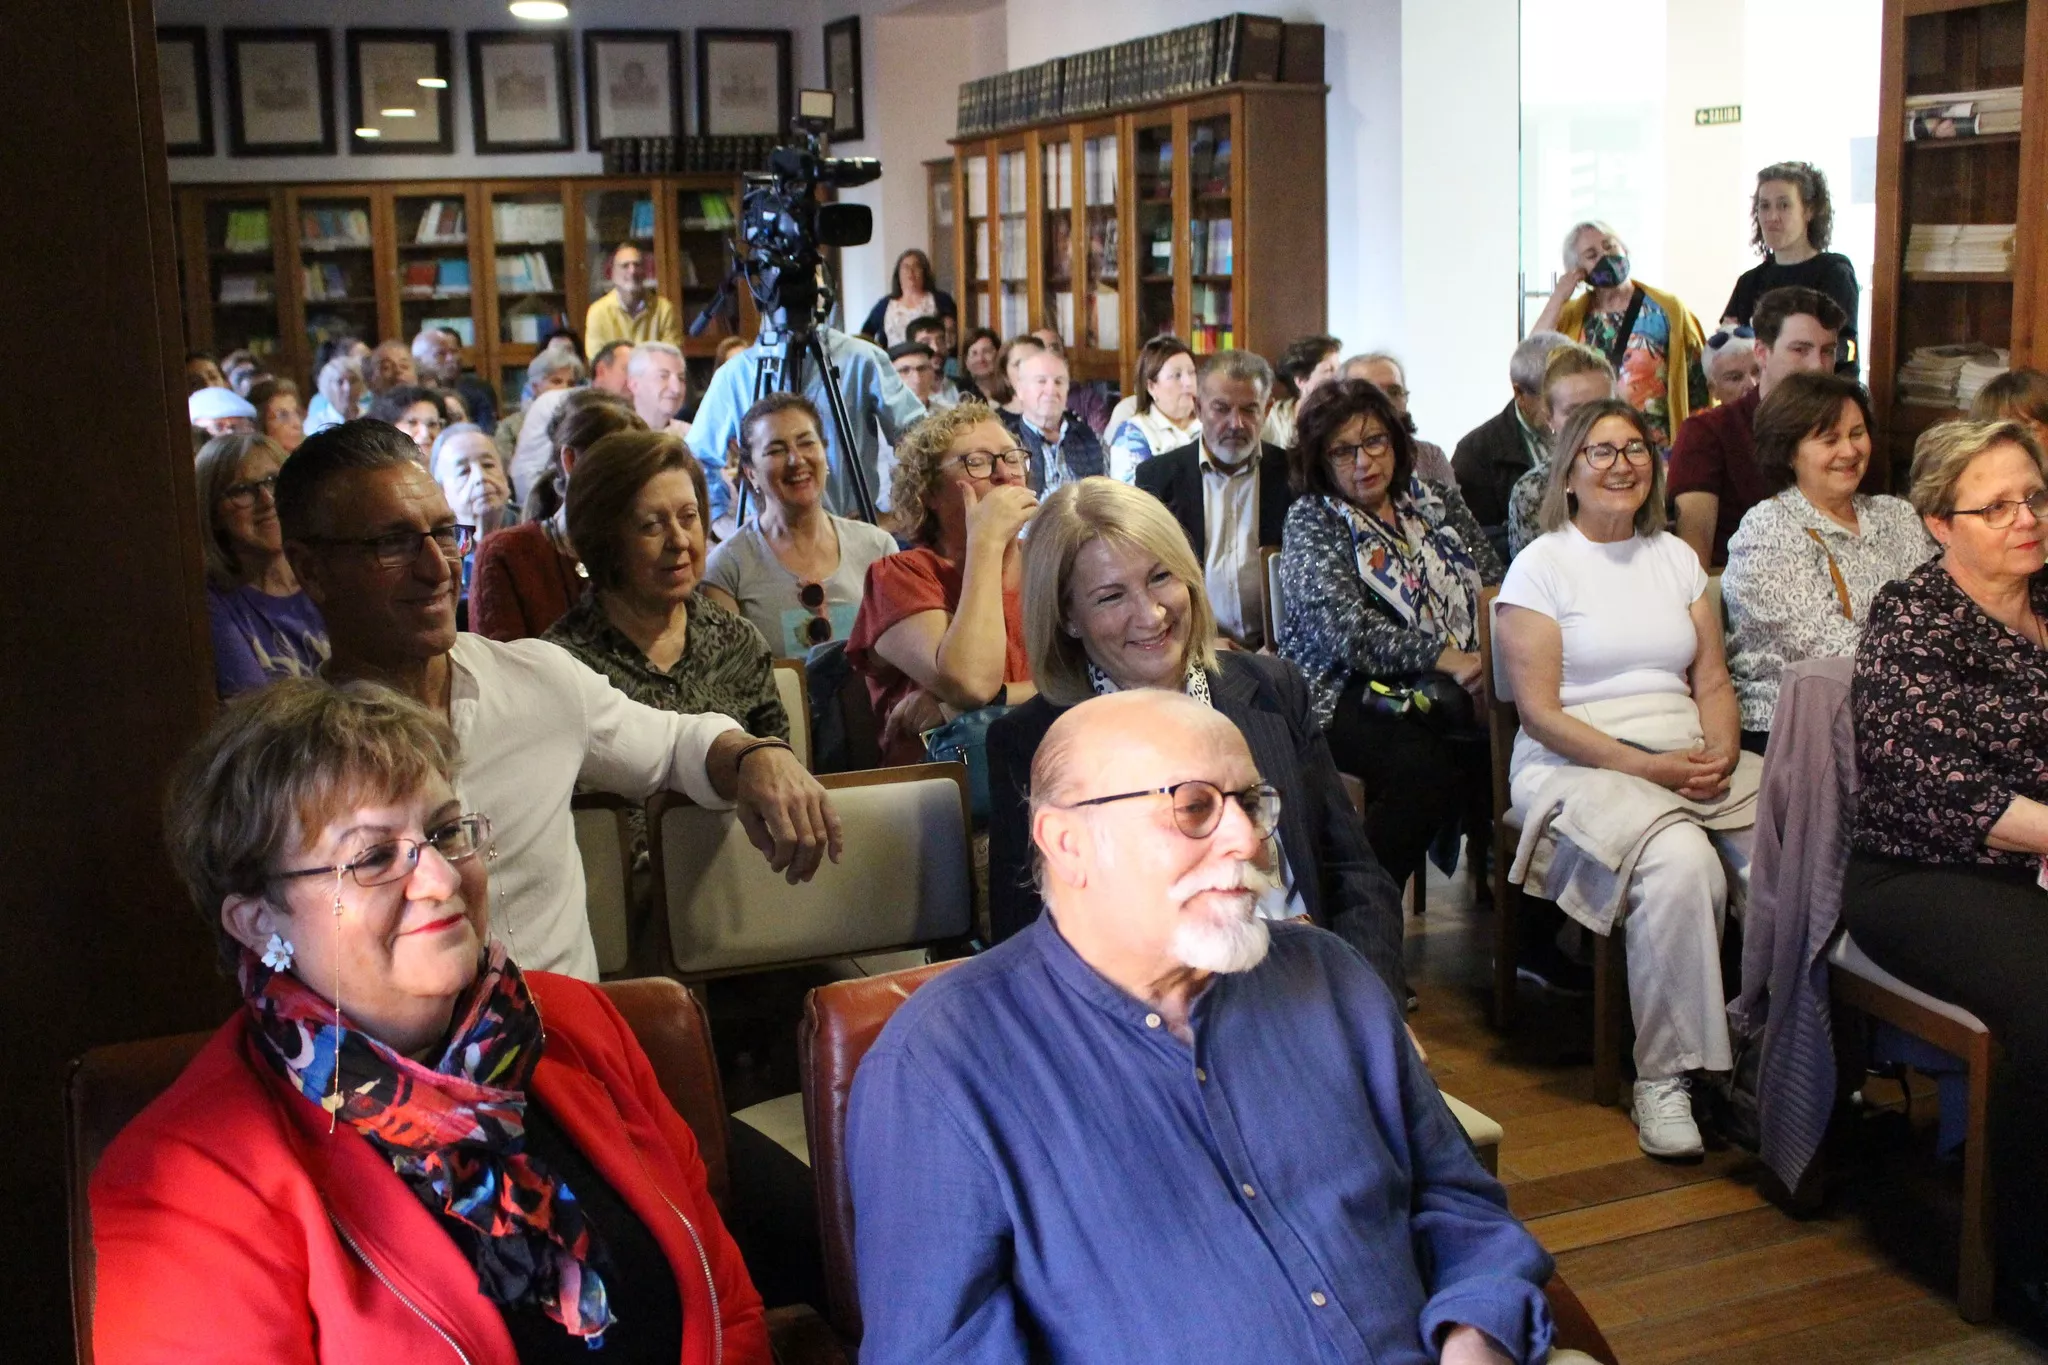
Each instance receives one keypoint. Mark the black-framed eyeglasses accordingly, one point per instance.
(396, 549)
(393, 860)
(979, 464)
(245, 494)
(1198, 805)
(1728, 334)
(1346, 455)
(1603, 455)
(2001, 514)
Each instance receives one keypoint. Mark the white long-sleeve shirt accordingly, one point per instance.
(532, 723)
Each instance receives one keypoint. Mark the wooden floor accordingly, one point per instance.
(1689, 1262)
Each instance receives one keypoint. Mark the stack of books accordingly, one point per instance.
(324, 281)
(246, 289)
(1932, 375)
(247, 230)
(333, 229)
(524, 272)
(1967, 113)
(442, 224)
(705, 212)
(515, 223)
(1977, 372)
(1959, 248)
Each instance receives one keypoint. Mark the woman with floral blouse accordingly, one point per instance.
(1943, 887)
(1804, 563)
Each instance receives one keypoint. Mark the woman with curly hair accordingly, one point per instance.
(941, 625)
(1792, 219)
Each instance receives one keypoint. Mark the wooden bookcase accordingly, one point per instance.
(1204, 216)
(277, 268)
(1938, 47)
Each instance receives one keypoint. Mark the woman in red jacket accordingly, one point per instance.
(402, 1147)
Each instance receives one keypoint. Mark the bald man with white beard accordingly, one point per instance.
(1153, 1127)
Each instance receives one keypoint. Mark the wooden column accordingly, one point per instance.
(106, 674)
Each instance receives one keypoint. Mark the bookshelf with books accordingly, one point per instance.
(974, 194)
(435, 264)
(527, 290)
(1012, 238)
(612, 216)
(1962, 203)
(234, 262)
(332, 258)
(706, 219)
(1203, 216)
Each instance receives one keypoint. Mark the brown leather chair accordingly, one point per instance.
(841, 1022)
(108, 1086)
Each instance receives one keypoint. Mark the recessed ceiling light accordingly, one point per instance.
(369, 132)
(432, 83)
(398, 113)
(545, 11)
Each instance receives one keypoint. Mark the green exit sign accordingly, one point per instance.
(1720, 113)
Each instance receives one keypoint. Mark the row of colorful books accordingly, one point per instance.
(1236, 47)
(333, 229)
(445, 278)
(442, 223)
(687, 155)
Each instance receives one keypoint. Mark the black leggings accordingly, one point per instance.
(1416, 780)
(1977, 937)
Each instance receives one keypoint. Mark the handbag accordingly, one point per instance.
(964, 739)
(1435, 698)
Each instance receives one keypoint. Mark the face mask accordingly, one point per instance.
(1608, 271)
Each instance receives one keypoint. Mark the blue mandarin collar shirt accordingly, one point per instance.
(1041, 1171)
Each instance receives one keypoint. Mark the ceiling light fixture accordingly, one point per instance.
(398, 113)
(369, 132)
(540, 11)
(432, 83)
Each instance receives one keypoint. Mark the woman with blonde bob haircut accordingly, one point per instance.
(1114, 600)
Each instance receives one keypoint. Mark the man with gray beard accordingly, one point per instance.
(1153, 1127)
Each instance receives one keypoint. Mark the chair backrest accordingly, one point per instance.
(1275, 606)
(109, 1086)
(605, 841)
(845, 736)
(906, 878)
(841, 1022)
(793, 687)
(1502, 719)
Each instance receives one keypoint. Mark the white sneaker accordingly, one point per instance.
(1663, 1114)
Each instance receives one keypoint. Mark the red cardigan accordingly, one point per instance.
(521, 584)
(230, 1226)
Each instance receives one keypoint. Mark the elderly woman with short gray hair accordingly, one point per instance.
(1943, 888)
(1114, 600)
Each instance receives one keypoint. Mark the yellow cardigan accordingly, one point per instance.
(1687, 341)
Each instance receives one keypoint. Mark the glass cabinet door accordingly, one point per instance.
(1013, 243)
(337, 267)
(431, 235)
(1102, 317)
(528, 276)
(241, 275)
(974, 269)
(1056, 236)
(1210, 256)
(613, 218)
(1153, 176)
(705, 220)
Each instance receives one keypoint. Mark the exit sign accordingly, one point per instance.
(1720, 113)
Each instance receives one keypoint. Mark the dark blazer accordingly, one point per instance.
(1487, 462)
(1081, 448)
(1342, 883)
(1175, 478)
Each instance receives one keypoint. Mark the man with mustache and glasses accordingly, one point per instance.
(1152, 1127)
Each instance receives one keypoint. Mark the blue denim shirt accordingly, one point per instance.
(1042, 1171)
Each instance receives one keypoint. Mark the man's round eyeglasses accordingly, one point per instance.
(1198, 806)
(393, 860)
(245, 494)
(397, 549)
(979, 464)
(1603, 455)
(1345, 456)
(2001, 514)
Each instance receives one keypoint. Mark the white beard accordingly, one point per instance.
(1223, 940)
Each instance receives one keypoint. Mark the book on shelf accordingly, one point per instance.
(642, 227)
(322, 281)
(1248, 49)
(462, 325)
(246, 230)
(417, 281)
(1963, 114)
(246, 289)
(451, 278)
(333, 229)
(524, 272)
(704, 211)
(526, 328)
(516, 224)
(1959, 248)
(442, 223)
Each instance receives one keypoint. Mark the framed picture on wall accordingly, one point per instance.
(280, 91)
(632, 84)
(519, 92)
(398, 95)
(185, 84)
(742, 81)
(842, 78)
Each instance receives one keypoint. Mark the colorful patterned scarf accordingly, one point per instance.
(454, 1131)
(1419, 566)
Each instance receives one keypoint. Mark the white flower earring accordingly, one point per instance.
(277, 954)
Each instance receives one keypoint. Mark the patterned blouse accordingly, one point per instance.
(725, 669)
(1645, 377)
(1780, 588)
(1336, 627)
(1951, 712)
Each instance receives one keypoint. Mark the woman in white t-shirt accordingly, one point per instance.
(794, 569)
(1604, 617)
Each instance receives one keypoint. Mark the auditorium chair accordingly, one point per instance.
(841, 1022)
(108, 1086)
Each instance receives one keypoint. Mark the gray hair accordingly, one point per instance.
(335, 372)
(441, 443)
(1525, 366)
(1571, 238)
(1246, 367)
(553, 360)
(1364, 358)
(1946, 449)
(651, 348)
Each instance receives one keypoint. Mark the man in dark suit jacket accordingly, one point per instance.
(1231, 401)
(1498, 451)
